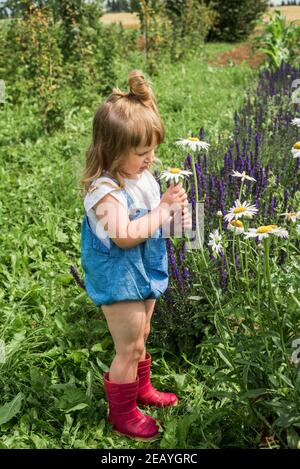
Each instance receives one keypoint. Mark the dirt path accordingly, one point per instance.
(237, 55)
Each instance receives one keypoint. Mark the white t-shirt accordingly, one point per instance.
(145, 193)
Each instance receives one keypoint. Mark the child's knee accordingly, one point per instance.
(147, 331)
(134, 350)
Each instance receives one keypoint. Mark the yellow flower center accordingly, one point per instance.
(193, 139)
(239, 209)
(291, 214)
(174, 170)
(297, 146)
(237, 223)
(266, 228)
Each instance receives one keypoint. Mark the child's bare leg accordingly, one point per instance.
(149, 306)
(126, 321)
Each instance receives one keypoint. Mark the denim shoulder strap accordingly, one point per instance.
(129, 199)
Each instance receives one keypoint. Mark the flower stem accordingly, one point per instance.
(233, 255)
(225, 255)
(258, 280)
(268, 274)
(241, 190)
(198, 233)
(280, 321)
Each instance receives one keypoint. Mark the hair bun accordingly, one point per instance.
(139, 86)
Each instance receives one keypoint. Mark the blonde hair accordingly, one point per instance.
(123, 121)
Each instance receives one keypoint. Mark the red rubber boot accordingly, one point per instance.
(147, 394)
(124, 416)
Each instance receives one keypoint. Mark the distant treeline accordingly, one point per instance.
(286, 3)
(125, 5)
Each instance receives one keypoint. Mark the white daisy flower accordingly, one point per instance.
(174, 173)
(296, 121)
(296, 150)
(291, 216)
(215, 242)
(298, 229)
(264, 232)
(241, 210)
(236, 226)
(242, 175)
(193, 143)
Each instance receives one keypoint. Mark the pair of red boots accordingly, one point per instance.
(123, 399)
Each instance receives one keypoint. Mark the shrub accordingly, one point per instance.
(31, 63)
(236, 18)
(171, 28)
(191, 22)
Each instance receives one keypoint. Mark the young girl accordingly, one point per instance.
(124, 254)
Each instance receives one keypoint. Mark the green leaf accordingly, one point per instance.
(97, 347)
(179, 379)
(61, 237)
(10, 409)
(253, 393)
(102, 365)
(225, 359)
(80, 406)
(64, 279)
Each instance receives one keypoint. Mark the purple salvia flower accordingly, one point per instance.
(185, 273)
(212, 183)
(203, 181)
(77, 277)
(206, 163)
(257, 145)
(286, 197)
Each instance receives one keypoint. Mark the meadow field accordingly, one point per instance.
(225, 335)
(131, 20)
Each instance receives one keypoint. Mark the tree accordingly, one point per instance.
(236, 18)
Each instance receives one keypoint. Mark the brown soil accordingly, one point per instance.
(237, 55)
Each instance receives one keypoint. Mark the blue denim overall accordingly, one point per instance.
(116, 274)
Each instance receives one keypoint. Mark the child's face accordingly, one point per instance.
(139, 159)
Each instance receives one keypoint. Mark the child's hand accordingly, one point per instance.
(175, 198)
(186, 219)
(181, 220)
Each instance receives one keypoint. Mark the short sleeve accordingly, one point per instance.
(99, 189)
(155, 188)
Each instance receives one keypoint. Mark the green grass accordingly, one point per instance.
(57, 341)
